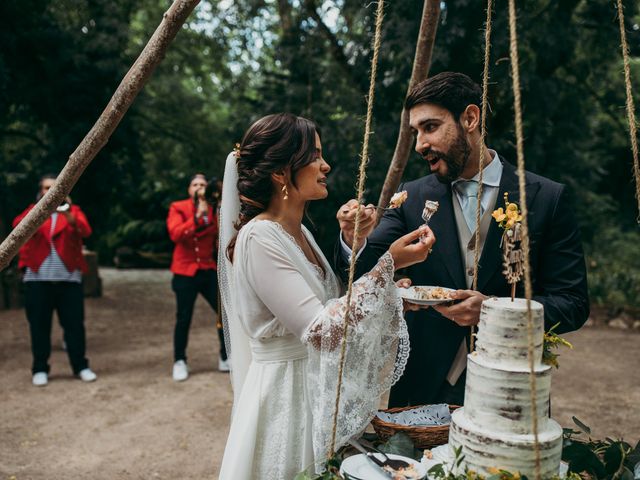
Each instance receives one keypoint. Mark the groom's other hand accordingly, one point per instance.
(467, 311)
(347, 219)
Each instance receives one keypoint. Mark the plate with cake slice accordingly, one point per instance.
(426, 295)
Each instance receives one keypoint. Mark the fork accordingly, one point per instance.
(392, 463)
(427, 213)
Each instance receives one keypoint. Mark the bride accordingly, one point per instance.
(284, 313)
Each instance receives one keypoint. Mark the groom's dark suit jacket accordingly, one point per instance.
(558, 271)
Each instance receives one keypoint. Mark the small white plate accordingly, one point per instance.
(416, 295)
(361, 467)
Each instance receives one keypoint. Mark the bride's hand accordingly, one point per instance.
(407, 251)
(407, 306)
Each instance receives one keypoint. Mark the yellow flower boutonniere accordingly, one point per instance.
(510, 215)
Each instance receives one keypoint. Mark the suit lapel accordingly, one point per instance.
(444, 227)
(491, 259)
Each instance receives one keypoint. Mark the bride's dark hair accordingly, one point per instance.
(271, 145)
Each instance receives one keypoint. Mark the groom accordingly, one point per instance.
(444, 113)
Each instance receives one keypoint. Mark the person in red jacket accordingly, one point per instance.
(193, 227)
(53, 264)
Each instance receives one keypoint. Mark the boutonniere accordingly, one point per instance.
(509, 219)
(508, 216)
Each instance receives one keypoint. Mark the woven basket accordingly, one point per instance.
(423, 437)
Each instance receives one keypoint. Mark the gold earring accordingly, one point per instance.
(285, 192)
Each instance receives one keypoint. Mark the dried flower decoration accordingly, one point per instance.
(509, 219)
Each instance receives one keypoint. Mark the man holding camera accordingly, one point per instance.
(193, 227)
(53, 265)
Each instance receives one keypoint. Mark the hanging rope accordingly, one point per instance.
(515, 73)
(362, 175)
(483, 149)
(630, 104)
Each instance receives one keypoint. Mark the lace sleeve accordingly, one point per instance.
(376, 354)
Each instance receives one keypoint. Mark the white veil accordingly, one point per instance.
(235, 337)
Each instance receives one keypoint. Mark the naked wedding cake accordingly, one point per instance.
(494, 428)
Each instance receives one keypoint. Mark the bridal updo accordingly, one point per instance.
(272, 144)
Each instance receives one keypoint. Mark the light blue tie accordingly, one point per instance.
(469, 191)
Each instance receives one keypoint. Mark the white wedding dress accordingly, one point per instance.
(291, 317)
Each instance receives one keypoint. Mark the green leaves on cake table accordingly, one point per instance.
(400, 444)
(599, 459)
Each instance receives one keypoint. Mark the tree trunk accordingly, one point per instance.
(421, 64)
(99, 135)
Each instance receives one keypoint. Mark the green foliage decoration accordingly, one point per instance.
(599, 459)
(551, 342)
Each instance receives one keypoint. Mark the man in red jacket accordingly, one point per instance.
(193, 227)
(53, 264)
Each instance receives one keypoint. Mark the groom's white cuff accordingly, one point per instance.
(346, 250)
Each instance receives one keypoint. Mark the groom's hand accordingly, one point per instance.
(465, 313)
(347, 219)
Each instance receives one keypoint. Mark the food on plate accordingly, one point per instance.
(406, 473)
(435, 293)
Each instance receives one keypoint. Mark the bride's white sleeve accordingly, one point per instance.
(377, 346)
(376, 353)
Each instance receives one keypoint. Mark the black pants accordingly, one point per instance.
(453, 394)
(67, 298)
(186, 289)
(401, 393)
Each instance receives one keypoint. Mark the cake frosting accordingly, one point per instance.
(495, 428)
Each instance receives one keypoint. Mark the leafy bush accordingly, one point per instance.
(613, 262)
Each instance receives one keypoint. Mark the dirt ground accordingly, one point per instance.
(135, 422)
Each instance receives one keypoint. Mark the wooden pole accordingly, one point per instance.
(99, 135)
(421, 64)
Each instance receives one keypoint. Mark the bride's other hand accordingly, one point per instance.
(407, 251)
(347, 219)
(407, 306)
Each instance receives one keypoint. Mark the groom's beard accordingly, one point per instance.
(455, 158)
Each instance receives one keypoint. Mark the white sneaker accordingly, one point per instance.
(40, 379)
(223, 365)
(180, 371)
(87, 375)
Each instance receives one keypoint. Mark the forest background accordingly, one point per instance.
(235, 61)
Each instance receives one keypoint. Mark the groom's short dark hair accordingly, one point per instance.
(450, 90)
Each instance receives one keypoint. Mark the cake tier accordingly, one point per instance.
(502, 331)
(499, 397)
(483, 449)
